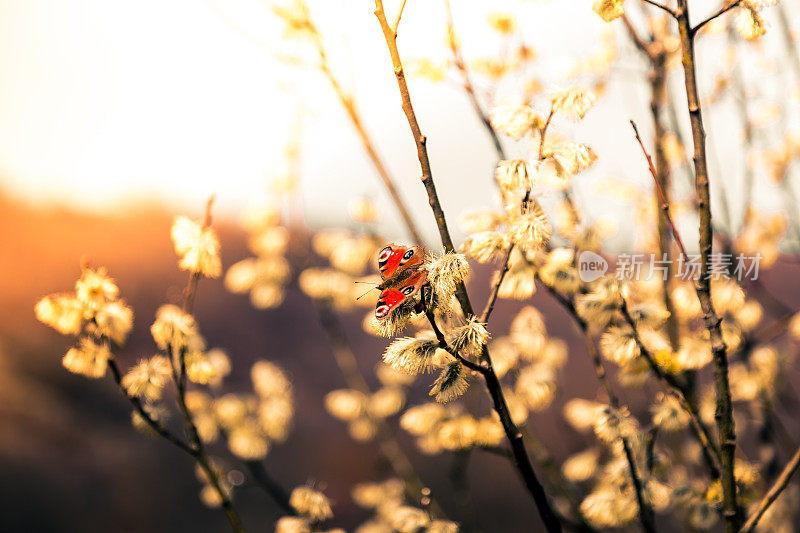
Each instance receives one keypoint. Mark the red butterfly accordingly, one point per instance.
(403, 276)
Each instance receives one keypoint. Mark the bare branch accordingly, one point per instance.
(724, 412)
(660, 192)
(773, 493)
(466, 82)
(666, 8)
(721, 11)
(396, 22)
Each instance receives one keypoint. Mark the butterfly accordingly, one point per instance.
(403, 276)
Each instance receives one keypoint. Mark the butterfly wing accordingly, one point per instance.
(396, 257)
(393, 297)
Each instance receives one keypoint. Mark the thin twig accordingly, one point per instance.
(645, 511)
(466, 82)
(772, 494)
(179, 376)
(369, 146)
(137, 405)
(348, 365)
(270, 486)
(668, 9)
(681, 392)
(721, 11)
(501, 274)
(396, 22)
(660, 192)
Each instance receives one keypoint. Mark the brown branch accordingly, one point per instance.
(179, 377)
(668, 9)
(721, 11)
(466, 82)
(724, 411)
(521, 459)
(270, 486)
(682, 394)
(154, 425)
(396, 22)
(660, 192)
(348, 365)
(646, 515)
(640, 43)
(369, 146)
(773, 493)
(422, 151)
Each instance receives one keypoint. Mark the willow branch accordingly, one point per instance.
(721, 11)
(521, 459)
(348, 365)
(179, 376)
(666, 8)
(681, 393)
(466, 82)
(662, 199)
(422, 151)
(724, 411)
(638, 41)
(270, 486)
(646, 515)
(154, 425)
(774, 492)
(396, 22)
(369, 146)
(501, 274)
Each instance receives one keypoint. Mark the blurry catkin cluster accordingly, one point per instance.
(390, 512)
(98, 317)
(265, 275)
(527, 362)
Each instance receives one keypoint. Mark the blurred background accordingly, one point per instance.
(116, 115)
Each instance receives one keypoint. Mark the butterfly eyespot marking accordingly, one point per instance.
(407, 290)
(381, 311)
(383, 256)
(408, 254)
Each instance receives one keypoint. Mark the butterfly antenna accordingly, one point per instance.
(368, 291)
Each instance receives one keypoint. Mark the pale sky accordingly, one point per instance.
(105, 102)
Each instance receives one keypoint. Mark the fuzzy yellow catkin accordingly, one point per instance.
(247, 442)
(573, 102)
(581, 414)
(88, 359)
(386, 402)
(197, 247)
(618, 344)
(451, 384)
(446, 271)
(515, 120)
(269, 380)
(581, 466)
(275, 417)
(292, 524)
(421, 419)
(411, 355)
(176, 329)
(311, 504)
(345, 404)
(148, 378)
(609, 9)
(94, 288)
(61, 312)
(114, 320)
(485, 246)
(537, 386)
